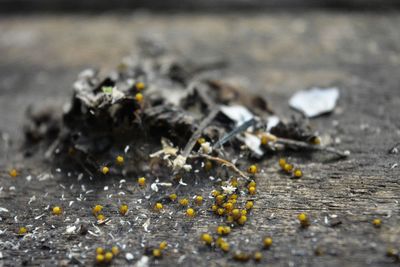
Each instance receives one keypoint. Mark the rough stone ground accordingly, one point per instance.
(273, 53)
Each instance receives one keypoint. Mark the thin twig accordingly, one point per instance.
(196, 135)
(301, 144)
(243, 127)
(223, 162)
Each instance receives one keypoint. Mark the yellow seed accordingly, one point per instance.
(234, 182)
(257, 256)
(108, 257)
(158, 206)
(316, 140)
(252, 169)
(157, 253)
(207, 238)
(377, 222)
(236, 213)
(139, 97)
(252, 184)
(303, 218)
(288, 167)
(220, 199)
(220, 230)
(99, 258)
(267, 242)
(96, 209)
(22, 231)
(163, 245)
(120, 160)
(282, 163)
(184, 202)
(229, 218)
(101, 217)
(225, 246)
(233, 196)
(190, 212)
(99, 250)
(208, 165)
(249, 205)
(220, 211)
(264, 139)
(173, 197)
(115, 250)
(105, 170)
(242, 220)
(201, 140)
(243, 212)
(13, 173)
(57, 210)
(123, 209)
(198, 200)
(215, 193)
(214, 208)
(139, 86)
(252, 190)
(142, 181)
(297, 173)
(228, 206)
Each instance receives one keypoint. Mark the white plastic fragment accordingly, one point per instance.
(129, 256)
(315, 101)
(142, 262)
(237, 113)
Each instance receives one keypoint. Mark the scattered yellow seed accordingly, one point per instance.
(252, 190)
(201, 140)
(208, 165)
(184, 202)
(377, 222)
(173, 197)
(214, 208)
(207, 239)
(234, 182)
(96, 209)
(101, 217)
(267, 242)
(288, 167)
(57, 210)
(229, 218)
(252, 169)
(13, 173)
(220, 211)
(163, 245)
(198, 200)
(316, 140)
(22, 230)
(257, 256)
(297, 173)
(115, 250)
(142, 181)
(105, 170)
(108, 257)
(123, 209)
(264, 139)
(243, 212)
(158, 206)
(242, 220)
(120, 160)
(99, 258)
(139, 86)
(139, 97)
(220, 199)
(225, 246)
(252, 184)
(236, 213)
(282, 163)
(228, 206)
(157, 253)
(99, 250)
(249, 205)
(190, 212)
(221, 230)
(303, 218)
(215, 193)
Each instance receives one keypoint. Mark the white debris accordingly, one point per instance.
(315, 101)
(205, 148)
(143, 262)
(33, 198)
(3, 209)
(253, 143)
(237, 113)
(70, 229)
(154, 187)
(146, 225)
(116, 95)
(272, 121)
(229, 189)
(44, 176)
(129, 256)
(179, 162)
